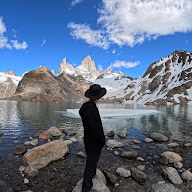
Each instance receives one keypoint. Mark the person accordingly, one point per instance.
(94, 138)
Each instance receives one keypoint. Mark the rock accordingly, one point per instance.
(172, 174)
(141, 167)
(45, 135)
(31, 172)
(55, 132)
(27, 143)
(26, 181)
(140, 159)
(21, 168)
(81, 154)
(37, 134)
(112, 179)
(173, 145)
(113, 144)
(186, 175)
(31, 138)
(68, 142)
(158, 137)
(136, 141)
(163, 161)
(34, 142)
(123, 172)
(164, 188)
(177, 139)
(123, 133)
(188, 144)
(99, 183)
(4, 187)
(73, 139)
(40, 156)
(129, 154)
(138, 175)
(1, 133)
(148, 140)
(178, 165)
(172, 157)
(111, 134)
(19, 150)
(0, 125)
(116, 152)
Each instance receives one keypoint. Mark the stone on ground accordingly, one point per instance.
(123, 133)
(99, 183)
(19, 150)
(81, 154)
(148, 140)
(110, 177)
(158, 137)
(45, 135)
(55, 132)
(164, 188)
(172, 157)
(1, 133)
(40, 156)
(129, 154)
(111, 134)
(186, 175)
(123, 172)
(113, 144)
(138, 175)
(172, 174)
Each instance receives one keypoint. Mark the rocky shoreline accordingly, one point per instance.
(131, 161)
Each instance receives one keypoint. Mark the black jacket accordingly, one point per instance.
(94, 138)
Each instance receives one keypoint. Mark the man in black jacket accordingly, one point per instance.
(94, 138)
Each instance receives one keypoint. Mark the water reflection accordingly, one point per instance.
(20, 118)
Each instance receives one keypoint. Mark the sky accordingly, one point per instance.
(125, 35)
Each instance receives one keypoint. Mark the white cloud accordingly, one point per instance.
(75, 2)
(131, 22)
(92, 37)
(100, 67)
(4, 40)
(18, 45)
(43, 43)
(128, 22)
(120, 64)
(113, 51)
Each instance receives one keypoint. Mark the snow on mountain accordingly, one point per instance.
(8, 84)
(167, 80)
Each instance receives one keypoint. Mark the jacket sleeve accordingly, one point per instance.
(95, 124)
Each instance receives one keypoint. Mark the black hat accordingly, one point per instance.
(95, 92)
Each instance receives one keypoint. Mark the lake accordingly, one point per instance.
(21, 120)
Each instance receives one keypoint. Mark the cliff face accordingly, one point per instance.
(42, 85)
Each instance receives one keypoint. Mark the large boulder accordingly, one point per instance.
(172, 157)
(42, 155)
(99, 183)
(158, 137)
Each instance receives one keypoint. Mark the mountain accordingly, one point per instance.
(86, 69)
(42, 85)
(8, 84)
(168, 80)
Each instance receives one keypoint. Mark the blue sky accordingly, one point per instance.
(127, 35)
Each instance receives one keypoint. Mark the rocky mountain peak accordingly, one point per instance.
(66, 67)
(10, 73)
(88, 63)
